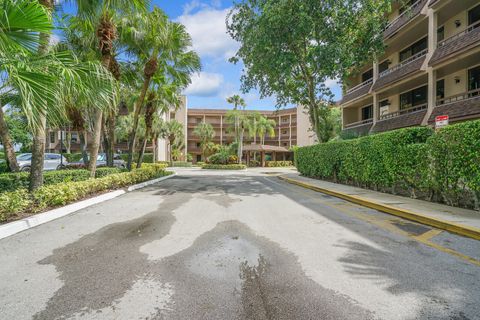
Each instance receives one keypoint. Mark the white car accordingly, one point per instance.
(52, 161)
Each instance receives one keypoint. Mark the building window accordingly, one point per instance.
(367, 112)
(440, 89)
(285, 120)
(474, 79)
(441, 33)
(284, 131)
(52, 137)
(198, 144)
(415, 48)
(199, 157)
(474, 16)
(74, 137)
(367, 75)
(199, 120)
(383, 66)
(413, 98)
(172, 115)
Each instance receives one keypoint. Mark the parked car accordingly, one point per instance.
(101, 162)
(52, 161)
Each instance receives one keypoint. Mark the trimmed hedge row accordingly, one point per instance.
(224, 166)
(441, 166)
(13, 203)
(273, 164)
(14, 181)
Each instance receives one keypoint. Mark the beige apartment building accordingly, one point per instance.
(292, 129)
(430, 68)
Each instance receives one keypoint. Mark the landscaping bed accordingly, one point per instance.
(278, 164)
(21, 203)
(224, 166)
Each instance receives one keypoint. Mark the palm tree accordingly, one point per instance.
(99, 19)
(266, 126)
(157, 129)
(237, 118)
(163, 47)
(252, 127)
(20, 25)
(206, 134)
(173, 133)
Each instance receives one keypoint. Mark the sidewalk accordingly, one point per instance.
(461, 221)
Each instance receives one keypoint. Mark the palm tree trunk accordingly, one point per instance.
(95, 143)
(7, 143)
(109, 138)
(154, 149)
(149, 111)
(39, 135)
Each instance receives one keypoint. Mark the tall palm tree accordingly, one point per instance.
(173, 133)
(252, 128)
(266, 127)
(99, 18)
(238, 119)
(21, 23)
(158, 125)
(164, 49)
(204, 131)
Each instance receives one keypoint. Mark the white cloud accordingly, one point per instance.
(208, 30)
(332, 83)
(54, 39)
(205, 84)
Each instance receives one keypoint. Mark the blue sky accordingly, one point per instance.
(205, 21)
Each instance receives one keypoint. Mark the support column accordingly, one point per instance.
(221, 130)
(432, 94)
(376, 109)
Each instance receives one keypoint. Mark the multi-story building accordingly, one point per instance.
(430, 67)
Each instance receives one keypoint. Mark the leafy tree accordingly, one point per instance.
(205, 132)
(290, 48)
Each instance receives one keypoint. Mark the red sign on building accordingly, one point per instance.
(441, 121)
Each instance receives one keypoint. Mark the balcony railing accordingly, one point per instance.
(459, 97)
(361, 85)
(403, 18)
(469, 29)
(404, 111)
(405, 62)
(359, 123)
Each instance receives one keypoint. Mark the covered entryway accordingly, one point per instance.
(263, 151)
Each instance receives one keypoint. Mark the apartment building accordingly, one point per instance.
(430, 68)
(292, 129)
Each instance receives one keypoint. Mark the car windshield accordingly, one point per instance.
(101, 157)
(23, 157)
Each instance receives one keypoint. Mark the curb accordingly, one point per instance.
(9, 229)
(466, 231)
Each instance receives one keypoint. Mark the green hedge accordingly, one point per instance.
(272, 164)
(442, 166)
(12, 203)
(14, 181)
(224, 166)
(147, 157)
(182, 164)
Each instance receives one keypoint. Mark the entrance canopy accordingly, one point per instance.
(264, 149)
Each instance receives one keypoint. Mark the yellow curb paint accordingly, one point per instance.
(462, 230)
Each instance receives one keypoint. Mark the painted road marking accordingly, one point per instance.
(386, 224)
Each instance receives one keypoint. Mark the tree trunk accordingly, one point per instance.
(109, 138)
(154, 149)
(38, 153)
(68, 142)
(95, 143)
(149, 112)
(7, 143)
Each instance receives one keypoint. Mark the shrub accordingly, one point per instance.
(12, 203)
(224, 166)
(181, 164)
(73, 157)
(254, 163)
(199, 163)
(3, 167)
(279, 164)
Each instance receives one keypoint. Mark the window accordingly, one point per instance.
(415, 48)
(199, 157)
(198, 144)
(172, 115)
(383, 66)
(199, 120)
(413, 98)
(474, 79)
(440, 89)
(474, 16)
(74, 137)
(441, 33)
(367, 75)
(52, 137)
(367, 112)
(284, 131)
(285, 120)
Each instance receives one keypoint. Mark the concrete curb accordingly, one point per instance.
(9, 229)
(463, 230)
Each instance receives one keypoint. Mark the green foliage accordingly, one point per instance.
(224, 166)
(182, 164)
(48, 196)
(443, 165)
(279, 164)
(223, 156)
(73, 157)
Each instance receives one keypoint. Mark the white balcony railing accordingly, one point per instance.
(407, 11)
(459, 97)
(358, 123)
(361, 85)
(405, 62)
(404, 111)
(469, 29)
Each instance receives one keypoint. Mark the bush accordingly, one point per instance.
(73, 157)
(279, 164)
(443, 166)
(181, 164)
(12, 203)
(147, 157)
(20, 180)
(224, 166)
(254, 163)
(199, 163)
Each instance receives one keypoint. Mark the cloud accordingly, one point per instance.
(332, 83)
(208, 30)
(205, 84)
(54, 39)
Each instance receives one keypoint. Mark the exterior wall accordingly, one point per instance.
(451, 87)
(449, 25)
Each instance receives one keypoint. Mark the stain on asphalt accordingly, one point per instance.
(231, 273)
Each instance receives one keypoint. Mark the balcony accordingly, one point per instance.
(358, 91)
(359, 128)
(401, 70)
(403, 19)
(458, 107)
(401, 119)
(456, 43)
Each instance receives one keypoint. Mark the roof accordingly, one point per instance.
(193, 111)
(267, 148)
